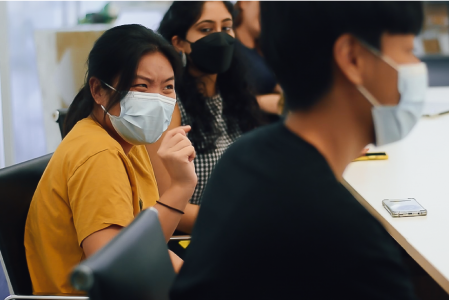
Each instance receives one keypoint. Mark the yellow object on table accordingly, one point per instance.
(184, 244)
(372, 156)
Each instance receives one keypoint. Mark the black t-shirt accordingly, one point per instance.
(261, 79)
(276, 224)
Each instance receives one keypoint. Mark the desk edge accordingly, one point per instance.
(424, 263)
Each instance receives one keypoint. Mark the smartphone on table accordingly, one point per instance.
(408, 207)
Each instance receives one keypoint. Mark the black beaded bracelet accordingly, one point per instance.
(172, 208)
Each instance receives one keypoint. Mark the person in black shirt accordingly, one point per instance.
(261, 79)
(276, 223)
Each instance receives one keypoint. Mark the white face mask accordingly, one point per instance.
(143, 117)
(393, 123)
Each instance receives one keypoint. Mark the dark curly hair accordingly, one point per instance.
(240, 107)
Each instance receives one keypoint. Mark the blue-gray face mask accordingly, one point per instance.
(393, 123)
(143, 117)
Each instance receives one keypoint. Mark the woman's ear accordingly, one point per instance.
(180, 45)
(97, 91)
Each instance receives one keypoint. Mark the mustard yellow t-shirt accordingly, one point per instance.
(88, 185)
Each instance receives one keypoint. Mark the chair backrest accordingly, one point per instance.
(59, 117)
(134, 265)
(17, 186)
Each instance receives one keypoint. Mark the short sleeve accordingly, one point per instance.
(100, 194)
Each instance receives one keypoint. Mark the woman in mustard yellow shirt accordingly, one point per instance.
(101, 177)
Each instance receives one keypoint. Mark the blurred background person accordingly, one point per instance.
(213, 96)
(261, 79)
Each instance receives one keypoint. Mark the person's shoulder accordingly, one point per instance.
(262, 133)
(273, 139)
(278, 158)
(91, 135)
(86, 139)
(242, 48)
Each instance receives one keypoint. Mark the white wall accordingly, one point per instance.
(24, 115)
(7, 141)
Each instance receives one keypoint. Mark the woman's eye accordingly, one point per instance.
(206, 30)
(226, 28)
(141, 85)
(169, 87)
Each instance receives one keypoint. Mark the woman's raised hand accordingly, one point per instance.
(177, 154)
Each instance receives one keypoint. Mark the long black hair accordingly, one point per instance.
(240, 107)
(116, 55)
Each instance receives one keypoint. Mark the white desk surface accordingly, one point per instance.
(418, 167)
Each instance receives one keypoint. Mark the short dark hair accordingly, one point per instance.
(297, 39)
(116, 54)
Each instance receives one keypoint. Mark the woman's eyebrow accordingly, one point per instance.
(168, 79)
(145, 78)
(152, 80)
(205, 21)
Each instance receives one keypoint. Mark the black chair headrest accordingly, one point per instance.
(134, 265)
(59, 117)
(17, 186)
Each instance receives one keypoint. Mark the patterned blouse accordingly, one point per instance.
(205, 162)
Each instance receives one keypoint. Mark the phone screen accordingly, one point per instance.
(404, 205)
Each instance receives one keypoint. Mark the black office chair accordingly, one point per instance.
(134, 265)
(59, 117)
(17, 186)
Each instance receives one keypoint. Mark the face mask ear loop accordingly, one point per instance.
(184, 55)
(390, 62)
(183, 58)
(109, 86)
(379, 54)
(104, 109)
(368, 96)
(112, 88)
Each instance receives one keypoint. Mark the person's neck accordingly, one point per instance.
(98, 117)
(245, 37)
(207, 83)
(333, 129)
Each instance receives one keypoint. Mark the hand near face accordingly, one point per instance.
(177, 154)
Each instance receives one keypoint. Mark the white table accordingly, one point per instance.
(418, 167)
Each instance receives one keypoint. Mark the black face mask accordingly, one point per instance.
(213, 53)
